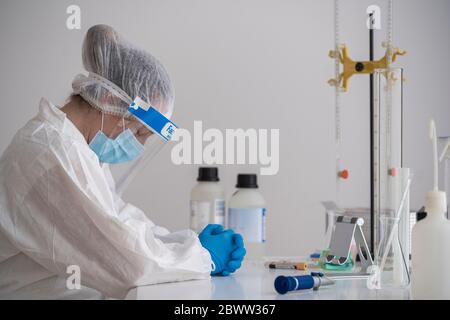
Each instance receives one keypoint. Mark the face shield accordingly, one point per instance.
(131, 132)
(137, 137)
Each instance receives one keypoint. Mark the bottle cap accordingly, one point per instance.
(247, 181)
(208, 174)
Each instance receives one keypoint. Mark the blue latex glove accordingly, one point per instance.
(237, 255)
(226, 248)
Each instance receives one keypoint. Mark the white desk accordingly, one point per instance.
(254, 281)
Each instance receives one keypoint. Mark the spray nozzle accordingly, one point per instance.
(433, 138)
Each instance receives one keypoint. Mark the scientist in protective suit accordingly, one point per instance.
(58, 202)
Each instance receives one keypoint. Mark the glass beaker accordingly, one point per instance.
(393, 249)
(394, 267)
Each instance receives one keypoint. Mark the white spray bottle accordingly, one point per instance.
(430, 277)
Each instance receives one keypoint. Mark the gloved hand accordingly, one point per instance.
(226, 248)
(236, 256)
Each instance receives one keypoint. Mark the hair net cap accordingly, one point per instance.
(119, 72)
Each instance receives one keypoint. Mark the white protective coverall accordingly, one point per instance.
(58, 208)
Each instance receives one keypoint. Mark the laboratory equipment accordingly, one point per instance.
(247, 215)
(392, 263)
(347, 232)
(392, 217)
(291, 265)
(284, 284)
(207, 200)
(431, 242)
(349, 275)
(430, 261)
(385, 122)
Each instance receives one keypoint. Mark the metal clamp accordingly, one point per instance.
(351, 67)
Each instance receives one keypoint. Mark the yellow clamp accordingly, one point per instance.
(351, 67)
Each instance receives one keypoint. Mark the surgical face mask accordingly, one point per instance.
(125, 147)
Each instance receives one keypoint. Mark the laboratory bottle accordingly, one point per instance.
(207, 200)
(430, 277)
(247, 215)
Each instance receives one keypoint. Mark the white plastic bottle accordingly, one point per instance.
(247, 215)
(430, 245)
(207, 200)
(430, 258)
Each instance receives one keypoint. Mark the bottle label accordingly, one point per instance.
(219, 212)
(205, 212)
(249, 222)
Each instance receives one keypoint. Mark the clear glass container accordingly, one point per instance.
(390, 177)
(394, 270)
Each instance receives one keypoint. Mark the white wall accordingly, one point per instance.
(249, 64)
